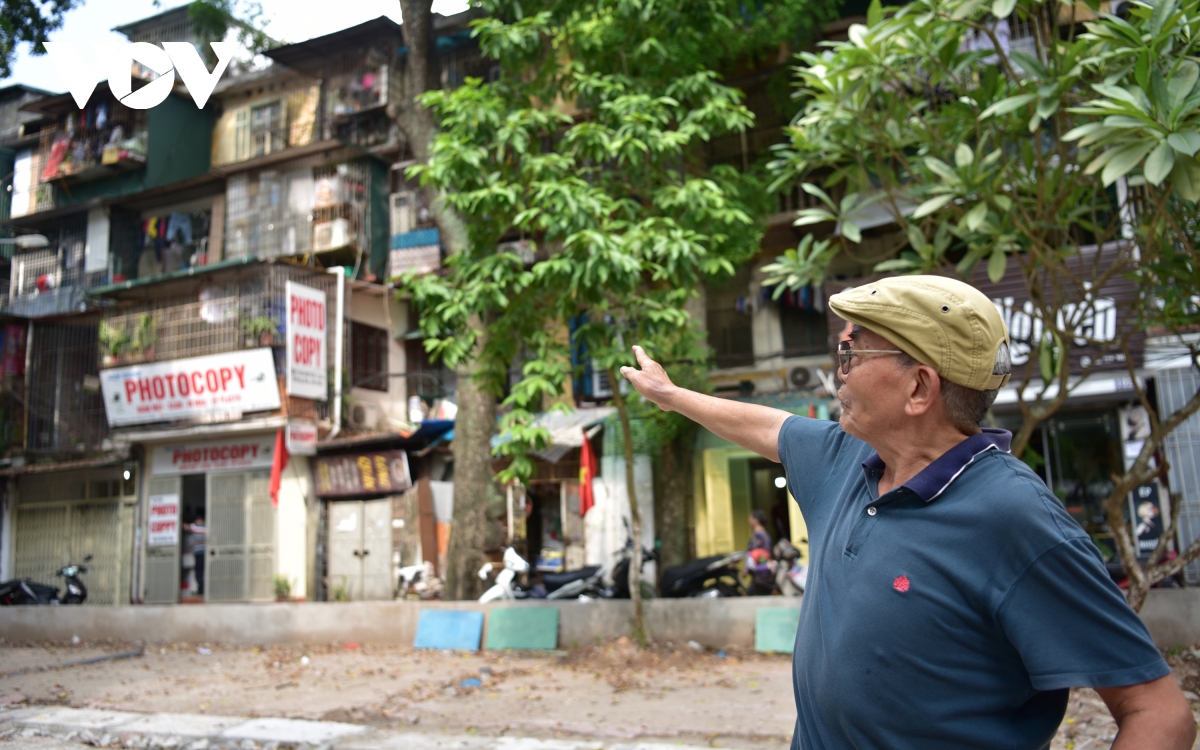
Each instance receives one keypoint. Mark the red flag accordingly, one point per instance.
(812, 410)
(587, 471)
(278, 464)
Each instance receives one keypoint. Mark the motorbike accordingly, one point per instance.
(709, 577)
(790, 576)
(26, 592)
(506, 586)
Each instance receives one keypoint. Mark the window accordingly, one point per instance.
(368, 357)
(259, 131)
(730, 321)
(804, 331)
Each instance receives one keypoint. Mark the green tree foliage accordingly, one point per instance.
(1069, 158)
(591, 145)
(28, 21)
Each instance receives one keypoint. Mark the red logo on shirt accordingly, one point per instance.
(900, 584)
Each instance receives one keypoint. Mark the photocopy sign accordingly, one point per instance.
(306, 365)
(164, 521)
(210, 456)
(214, 386)
(117, 65)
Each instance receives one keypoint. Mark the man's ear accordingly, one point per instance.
(925, 390)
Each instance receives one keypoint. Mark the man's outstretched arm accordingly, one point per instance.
(751, 426)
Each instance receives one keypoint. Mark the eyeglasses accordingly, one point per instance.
(845, 354)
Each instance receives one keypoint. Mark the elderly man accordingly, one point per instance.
(951, 601)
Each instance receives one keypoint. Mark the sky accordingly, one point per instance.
(290, 20)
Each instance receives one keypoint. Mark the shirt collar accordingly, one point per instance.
(937, 476)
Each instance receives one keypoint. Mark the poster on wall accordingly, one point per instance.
(164, 521)
(209, 456)
(306, 339)
(219, 385)
(376, 473)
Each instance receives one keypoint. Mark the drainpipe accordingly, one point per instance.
(338, 334)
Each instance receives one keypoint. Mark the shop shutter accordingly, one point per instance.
(162, 562)
(720, 502)
(226, 572)
(377, 549)
(96, 531)
(261, 537)
(41, 541)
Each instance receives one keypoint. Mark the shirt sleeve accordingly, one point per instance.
(813, 450)
(1072, 626)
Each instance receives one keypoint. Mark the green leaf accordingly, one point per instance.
(1185, 178)
(1003, 8)
(931, 205)
(1159, 163)
(817, 192)
(1124, 160)
(1141, 69)
(975, 218)
(997, 265)
(963, 156)
(1075, 134)
(1187, 142)
(1004, 106)
(1182, 83)
(1163, 9)
(851, 232)
(916, 237)
(874, 13)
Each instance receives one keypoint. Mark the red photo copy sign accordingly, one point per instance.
(306, 364)
(230, 383)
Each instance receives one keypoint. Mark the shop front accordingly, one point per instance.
(212, 532)
(373, 522)
(63, 515)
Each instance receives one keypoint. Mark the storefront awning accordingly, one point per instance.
(94, 462)
(566, 430)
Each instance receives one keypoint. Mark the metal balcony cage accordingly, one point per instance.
(66, 410)
(51, 280)
(242, 309)
(94, 142)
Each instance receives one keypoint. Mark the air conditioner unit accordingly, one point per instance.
(331, 235)
(601, 387)
(365, 416)
(403, 208)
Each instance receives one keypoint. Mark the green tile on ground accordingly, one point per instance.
(524, 628)
(775, 629)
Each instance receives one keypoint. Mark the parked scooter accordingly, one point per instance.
(708, 577)
(24, 591)
(790, 575)
(506, 585)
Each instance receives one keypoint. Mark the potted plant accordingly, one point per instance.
(145, 335)
(283, 587)
(260, 328)
(113, 342)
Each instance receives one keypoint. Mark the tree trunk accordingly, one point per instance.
(476, 421)
(672, 503)
(635, 514)
(473, 486)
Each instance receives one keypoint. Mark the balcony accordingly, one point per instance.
(66, 410)
(226, 307)
(92, 144)
(52, 280)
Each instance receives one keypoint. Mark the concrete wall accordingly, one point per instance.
(712, 622)
(1173, 617)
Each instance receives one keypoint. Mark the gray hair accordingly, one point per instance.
(967, 407)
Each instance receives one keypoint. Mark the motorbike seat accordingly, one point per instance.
(558, 580)
(674, 580)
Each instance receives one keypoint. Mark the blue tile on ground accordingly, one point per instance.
(449, 629)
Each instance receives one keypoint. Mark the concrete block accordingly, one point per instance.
(186, 726)
(295, 731)
(59, 720)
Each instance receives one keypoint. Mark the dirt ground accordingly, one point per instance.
(610, 690)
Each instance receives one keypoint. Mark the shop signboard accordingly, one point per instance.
(1147, 510)
(377, 473)
(164, 521)
(211, 456)
(1101, 320)
(306, 342)
(301, 438)
(217, 386)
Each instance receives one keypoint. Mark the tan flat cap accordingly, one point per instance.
(946, 324)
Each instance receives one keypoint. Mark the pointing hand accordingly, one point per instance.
(651, 380)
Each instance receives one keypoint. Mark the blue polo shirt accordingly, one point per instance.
(956, 610)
